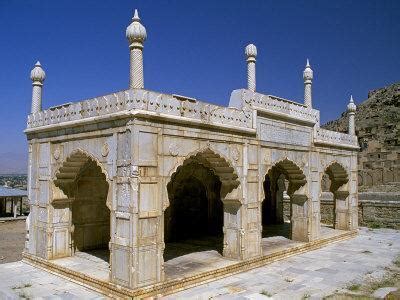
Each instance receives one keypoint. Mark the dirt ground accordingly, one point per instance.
(12, 240)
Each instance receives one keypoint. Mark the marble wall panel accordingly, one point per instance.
(147, 149)
(147, 265)
(148, 197)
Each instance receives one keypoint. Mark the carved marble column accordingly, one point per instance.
(37, 76)
(242, 210)
(136, 35)
(308, 77)
(251, 54)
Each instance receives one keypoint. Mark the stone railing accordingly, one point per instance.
(334, 138)
(144, 102)
(281, 107)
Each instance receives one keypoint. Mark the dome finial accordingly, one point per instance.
(136, 32)
(308, 72)
(351, 107)
(251, 51)
(37, 74)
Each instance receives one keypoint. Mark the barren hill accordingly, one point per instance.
(378, 131)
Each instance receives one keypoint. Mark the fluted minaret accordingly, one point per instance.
(251, 54)
(136, 35)
(38, 76)
(308, 76)
(351, 109)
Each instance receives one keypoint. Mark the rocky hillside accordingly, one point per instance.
(378, 131)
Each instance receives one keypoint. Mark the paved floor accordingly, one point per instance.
(19, 280)
(315, 273)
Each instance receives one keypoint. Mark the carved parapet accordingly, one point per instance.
(142, 103)
(333, 138)
(275, 106)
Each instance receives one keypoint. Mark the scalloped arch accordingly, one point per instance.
(72, 166)
(337, 174)
(292, 171)
(214, 161)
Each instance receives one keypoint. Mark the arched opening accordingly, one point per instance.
(327, 200)
(85, 185)
(334, 192)
(280, 184)
(276, 207)
(194, 219)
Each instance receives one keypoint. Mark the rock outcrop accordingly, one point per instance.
(378, 131)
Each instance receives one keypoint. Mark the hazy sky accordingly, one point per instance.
(194, 48)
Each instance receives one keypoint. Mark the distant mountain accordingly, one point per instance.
(378, 131)
(13, 163)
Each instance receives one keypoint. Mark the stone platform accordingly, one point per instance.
(182, 272)
(315, 273)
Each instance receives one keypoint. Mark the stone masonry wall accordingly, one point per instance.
(374, 209)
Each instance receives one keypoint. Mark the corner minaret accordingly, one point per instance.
(136, 35)
(308, 76)
(37, 76)
(351, 109)
(251, 54)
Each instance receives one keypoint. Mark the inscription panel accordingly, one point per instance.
(284, 133)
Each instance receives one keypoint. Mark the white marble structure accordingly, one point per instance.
(351, 109)
(113, 171)
(308, 76)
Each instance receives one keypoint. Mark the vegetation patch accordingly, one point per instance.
(23, 285)
(287, 279)
(354, 287)
(305, 296)
(374, 225)
(397, 262)
(266, 293)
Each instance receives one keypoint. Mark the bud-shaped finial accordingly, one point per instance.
(251, 54)
(136, 32)
(308, 72)
(37, 74)
(351, 107)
